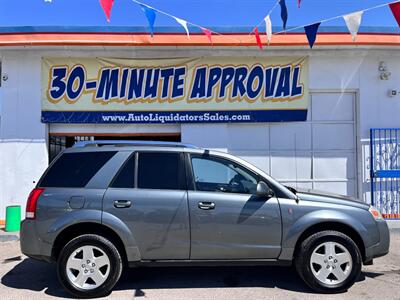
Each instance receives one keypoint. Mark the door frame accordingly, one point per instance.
(358, 168)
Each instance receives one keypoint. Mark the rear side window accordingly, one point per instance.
(126, 176)
(74, 170)
(160, 171)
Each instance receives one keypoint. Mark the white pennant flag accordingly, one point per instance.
(353, 22)
(268, 28)
(184, 25)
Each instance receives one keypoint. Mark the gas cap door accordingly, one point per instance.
(76, 202)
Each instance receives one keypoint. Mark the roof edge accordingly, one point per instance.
(179, 29)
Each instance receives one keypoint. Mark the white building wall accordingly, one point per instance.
(23, 150)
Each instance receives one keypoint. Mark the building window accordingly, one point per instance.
(59, 143)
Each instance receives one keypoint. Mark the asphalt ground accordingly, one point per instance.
(24, 278)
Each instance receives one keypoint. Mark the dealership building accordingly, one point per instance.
(308, 117)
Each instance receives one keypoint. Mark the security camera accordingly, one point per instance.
(4, 77)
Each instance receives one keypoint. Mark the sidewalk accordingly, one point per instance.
(393, 224)
(8, 236)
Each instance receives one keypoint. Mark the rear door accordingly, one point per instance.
(149, 195)
(227, 220)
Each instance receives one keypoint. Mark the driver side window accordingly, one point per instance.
(212, 174)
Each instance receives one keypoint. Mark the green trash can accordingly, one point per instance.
(13, 218)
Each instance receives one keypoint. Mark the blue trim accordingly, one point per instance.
(178, 29)
(387, 174)
(83, 117)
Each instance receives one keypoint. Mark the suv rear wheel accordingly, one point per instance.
(89, 266)
(329, 262)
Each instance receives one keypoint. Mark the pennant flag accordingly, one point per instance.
(184, 25)
(395, 8)
(151, 17)
(284, 13)
(353, 22)
(298, 3)
(268, 28)
(258, 40)
(311, 33)
(106, 5)
(207, 33)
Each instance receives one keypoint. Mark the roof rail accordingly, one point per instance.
(122, 143)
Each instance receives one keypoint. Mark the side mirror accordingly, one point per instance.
(263, 190)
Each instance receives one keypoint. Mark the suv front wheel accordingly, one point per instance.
(328, 261)
(89, 266)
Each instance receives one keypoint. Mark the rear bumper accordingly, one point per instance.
(31, 244)
(381, 248)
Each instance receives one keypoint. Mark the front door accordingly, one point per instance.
(153, 204)
(227, 220)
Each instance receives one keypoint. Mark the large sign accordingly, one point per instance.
(190, 90)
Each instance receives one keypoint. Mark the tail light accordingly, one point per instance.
(31, 203)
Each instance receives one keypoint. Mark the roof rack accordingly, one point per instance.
(132, 143)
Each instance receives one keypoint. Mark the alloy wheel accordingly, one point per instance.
(331, 263)
(88, 267)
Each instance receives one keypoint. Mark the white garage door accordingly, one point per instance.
(318, 154)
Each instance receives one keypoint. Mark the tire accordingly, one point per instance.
(326, 273)
(77, 270)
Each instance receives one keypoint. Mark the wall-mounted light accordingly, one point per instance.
(384, 74)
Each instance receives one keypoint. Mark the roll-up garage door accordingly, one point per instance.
(318, 154)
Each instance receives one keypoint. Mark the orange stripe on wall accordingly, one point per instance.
(391, 216)
(127, 39)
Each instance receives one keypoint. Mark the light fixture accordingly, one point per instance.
(384, 73)
(382, 67)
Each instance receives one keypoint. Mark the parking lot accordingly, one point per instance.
(24, 278)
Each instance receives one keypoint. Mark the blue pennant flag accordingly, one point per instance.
(311, 32)
(284, 13)
(151, 17)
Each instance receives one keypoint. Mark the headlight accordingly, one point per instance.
(375, 213)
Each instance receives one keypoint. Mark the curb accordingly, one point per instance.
(8, 236)
(393, 224)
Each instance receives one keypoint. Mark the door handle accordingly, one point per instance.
(206, 205)
(122, 203)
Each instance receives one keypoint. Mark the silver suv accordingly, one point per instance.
(102, 206)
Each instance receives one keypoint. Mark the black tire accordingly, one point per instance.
(303, 256)
(114, 272)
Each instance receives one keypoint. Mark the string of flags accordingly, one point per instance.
(352, 21)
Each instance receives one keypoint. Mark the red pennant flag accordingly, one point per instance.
(395, 8)
(257, 37)
(299, 3)
(207, 33)
(107, 5)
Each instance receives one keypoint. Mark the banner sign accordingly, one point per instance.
(191, 90)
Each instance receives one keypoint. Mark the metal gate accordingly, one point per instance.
(385, 171)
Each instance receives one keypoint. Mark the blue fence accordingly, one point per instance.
(385, 171)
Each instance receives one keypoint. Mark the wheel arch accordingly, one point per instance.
(336, 226)
(70, 232)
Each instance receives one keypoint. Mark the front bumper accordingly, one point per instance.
(31, 243)
(382, 247)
